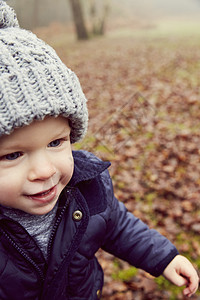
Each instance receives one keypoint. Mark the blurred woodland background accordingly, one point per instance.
(139, 66)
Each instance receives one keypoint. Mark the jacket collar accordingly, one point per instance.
(86, 167)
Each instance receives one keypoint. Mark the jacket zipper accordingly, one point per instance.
(39, 271)
(55, 227)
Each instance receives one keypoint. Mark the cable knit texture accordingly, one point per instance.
(34, 82)
(7, 16)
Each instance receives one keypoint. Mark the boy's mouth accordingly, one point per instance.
(44, 196)
(41, 193)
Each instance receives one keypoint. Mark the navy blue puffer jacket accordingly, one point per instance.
(88, 218)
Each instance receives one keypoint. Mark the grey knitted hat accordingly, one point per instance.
(34, 83)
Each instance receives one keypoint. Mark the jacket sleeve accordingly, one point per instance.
(132, 240)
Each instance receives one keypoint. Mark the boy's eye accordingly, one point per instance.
(55, 143)
(12, 156)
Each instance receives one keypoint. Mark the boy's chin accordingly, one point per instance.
(40, 210)
(43, 210)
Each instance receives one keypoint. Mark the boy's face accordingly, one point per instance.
(35, 165)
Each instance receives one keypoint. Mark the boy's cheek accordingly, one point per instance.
(69, 170)
(6, 190)
(11, 186)
(6, 196)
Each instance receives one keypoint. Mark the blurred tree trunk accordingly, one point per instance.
(77, 10)
(98, 22)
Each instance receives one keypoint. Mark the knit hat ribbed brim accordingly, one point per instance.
(34, 82)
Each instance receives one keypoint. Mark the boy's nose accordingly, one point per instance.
(41, 169)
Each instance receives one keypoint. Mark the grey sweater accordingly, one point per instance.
(38, 226)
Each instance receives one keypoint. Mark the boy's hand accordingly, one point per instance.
(181, 272)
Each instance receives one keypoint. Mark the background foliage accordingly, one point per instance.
(143, 81)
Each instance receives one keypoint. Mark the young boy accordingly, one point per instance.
(57, 208)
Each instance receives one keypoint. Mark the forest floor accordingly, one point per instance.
(143, 90)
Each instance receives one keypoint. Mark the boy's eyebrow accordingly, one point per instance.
(9, 146)
(65, 131)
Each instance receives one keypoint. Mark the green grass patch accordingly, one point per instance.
(125, 275)
(164, 284)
